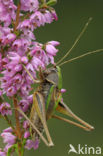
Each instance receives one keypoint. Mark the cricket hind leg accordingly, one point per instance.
(39, 105)
(64, 109)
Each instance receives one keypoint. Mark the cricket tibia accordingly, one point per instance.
(64, 109)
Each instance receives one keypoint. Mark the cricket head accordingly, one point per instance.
(53, 75)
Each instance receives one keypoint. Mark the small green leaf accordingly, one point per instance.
(9, 151)
(11, 148)
(24, 142)
(51, 2)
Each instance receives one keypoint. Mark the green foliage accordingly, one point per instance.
(51, 2)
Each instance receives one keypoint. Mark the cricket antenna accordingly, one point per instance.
(76, 41)
(81, 56)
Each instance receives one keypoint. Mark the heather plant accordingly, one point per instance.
(18, 49)
(22, 57)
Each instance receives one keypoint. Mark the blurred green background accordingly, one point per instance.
(83, 78)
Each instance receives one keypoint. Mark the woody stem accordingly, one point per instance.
(18, 130)
(17, 17)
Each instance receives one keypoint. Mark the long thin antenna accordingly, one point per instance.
(76, 41)
(81, 56)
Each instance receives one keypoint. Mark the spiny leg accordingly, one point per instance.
(64, 109)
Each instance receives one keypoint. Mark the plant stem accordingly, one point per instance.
(18, 130)
(17, 17)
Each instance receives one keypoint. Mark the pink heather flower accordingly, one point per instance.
(4, 31)
(32, 144)
(17, 44)
(17, 80)
(7, 9)
(2, 153)
(24, 60)
(19, 48)
(0, 62)
(4, 62)
(37, 19)
(25, 25)
(31, 69)
(40, 19)
(18, 68)
(9, 38)
(5, 109)
(9, 129)
(30, 99)
(8, 138)
(12, 82)
(29, 5)
(29, 36)
(54, 14)
(14, 57)
(21, 45)
(26, 134)
(50, 49)
(25, 89)
(54, 43)
(7, 2)
(39, 53)
(11, 91)
(24, 105)
(36, 63)
(7, 147)
(36, 144)
(50, 59)
(26, 124)
(63, 90)
(48, 18)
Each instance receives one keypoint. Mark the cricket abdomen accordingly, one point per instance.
(37, 122)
